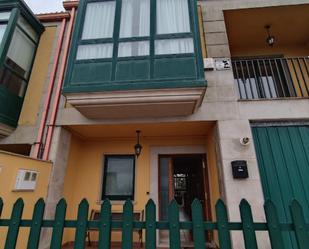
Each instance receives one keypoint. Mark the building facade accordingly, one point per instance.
(218, 91)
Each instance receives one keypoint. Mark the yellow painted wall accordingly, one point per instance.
(38, 77)
(9, 166)
(85, 169)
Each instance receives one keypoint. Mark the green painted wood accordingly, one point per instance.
(151, 236)
(127, 225)
(247, 225)
(58, 226)
(81, 229)
(273, 223)
(198, 226)
(174, 226)
(223, 226)
(298, 218)
(35, 230)
(105, 225)
(13, 230)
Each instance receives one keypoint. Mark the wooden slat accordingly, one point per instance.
(174, 227)
(105, 225)
(223, 229)
(81, 229)
(151, 237)
(58, 227)
(12, 234)
(300, 225)
(35, 230)
(198, 226)
(275, 234)
(127, 226)
(247, 225)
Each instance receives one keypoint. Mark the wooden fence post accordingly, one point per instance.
(37, 220)
(298, 218)
(127, 226)
(12, 234)
(105, 225)
(247, 225)
(223, 226)
(273, 225)
(58, 227)
(174, 226)
(151, 236)
(198, 225)
(81, 226)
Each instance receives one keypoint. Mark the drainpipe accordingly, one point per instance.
(39, 140)
(55, 106)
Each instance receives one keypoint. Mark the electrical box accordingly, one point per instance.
(240, 169)
(26, 180)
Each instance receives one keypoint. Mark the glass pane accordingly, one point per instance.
(26, 26)
(133, 49)
(12, 82)
(172, 16)
(135, 18)
(99, 20)
(2, 30)
(5, 16)
(21, 52)
(174, 46)
(97, 51)
(27, 176)
(119, 176)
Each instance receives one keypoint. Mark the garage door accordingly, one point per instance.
(283, 158)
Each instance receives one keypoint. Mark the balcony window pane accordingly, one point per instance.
(21, 52)
(135, 18)
(99, 20)
(174, 46)
(27, 28)
(119, 177)
(5, 16)
(97, 51)
(2, 30)
(172, 16)
(127, 49)
(12, 82)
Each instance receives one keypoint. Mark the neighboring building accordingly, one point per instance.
(207, 84)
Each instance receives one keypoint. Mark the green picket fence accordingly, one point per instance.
(105, 225)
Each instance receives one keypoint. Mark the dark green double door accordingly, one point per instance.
(283, 158)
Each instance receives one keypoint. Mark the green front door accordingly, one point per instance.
(283, 158)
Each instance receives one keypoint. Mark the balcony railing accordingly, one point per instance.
(268, 78)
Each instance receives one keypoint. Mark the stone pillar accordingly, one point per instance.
(59, 154)
(230, 132)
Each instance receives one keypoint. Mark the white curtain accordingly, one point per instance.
(172, 16)
(27, 27)
(135, 18)
(99, 20)
(174, 46)
(97, 51)
(2, 30)
(21, 50)
(139, 48)
(5, 15)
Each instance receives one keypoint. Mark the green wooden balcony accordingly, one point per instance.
(139, 62)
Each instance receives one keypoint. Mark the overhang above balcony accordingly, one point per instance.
(139, 103)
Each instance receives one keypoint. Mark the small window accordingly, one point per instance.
(119, 177)
(26, 180)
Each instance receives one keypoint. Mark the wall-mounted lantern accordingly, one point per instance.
(138, 147)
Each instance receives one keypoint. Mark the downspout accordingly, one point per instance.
(55, 106)
(39, 141)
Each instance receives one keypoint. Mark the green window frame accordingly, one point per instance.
(197, 80)
(108, 186)
(23, 29)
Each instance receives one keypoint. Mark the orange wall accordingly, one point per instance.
(84, 171)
